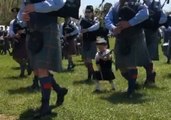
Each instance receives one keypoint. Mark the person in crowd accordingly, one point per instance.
(19, 52)
(103, 60)
(103, 31)
(130, 47)
(152, 40)
(89, 26)
(42, 36)
(69, 32)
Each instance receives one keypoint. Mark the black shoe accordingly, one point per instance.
(61, 96)
(42, 113)
(129, 95)
(150, 81)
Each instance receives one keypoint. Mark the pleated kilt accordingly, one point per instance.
(152, 40)
(138, 55)
(47, 57)
(89, 49)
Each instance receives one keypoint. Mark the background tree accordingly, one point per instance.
(5, 10)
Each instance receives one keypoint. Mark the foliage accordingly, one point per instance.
(5, 10)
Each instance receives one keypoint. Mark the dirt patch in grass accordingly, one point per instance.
(5, 117)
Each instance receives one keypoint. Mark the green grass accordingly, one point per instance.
(81, 103)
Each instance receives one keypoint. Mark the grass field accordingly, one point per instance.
(16, 102)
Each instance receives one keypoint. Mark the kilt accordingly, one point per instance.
(89, 49)
(138, 55)
(70, 47)
(19, 50)
(104, 75)
(47, 57)
(152, 40)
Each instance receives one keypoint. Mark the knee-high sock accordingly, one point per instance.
(46, 84)
(55, 86)
(131, 76)
(35, 81)
(149, 68)
(22, 67)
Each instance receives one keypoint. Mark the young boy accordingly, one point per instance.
(103, 60)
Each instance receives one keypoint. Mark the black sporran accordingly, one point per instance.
(35, 43)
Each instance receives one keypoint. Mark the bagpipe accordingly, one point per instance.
(129, 10)
(69, 28)
(70, 9)
(105, 56)
(86, 23)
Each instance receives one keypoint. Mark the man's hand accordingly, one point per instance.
(29, 8)
(116, 30)
(67, 35)
(84, 30)
(25, 17)
(123, 25)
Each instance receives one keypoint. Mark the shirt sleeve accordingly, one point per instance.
(61, 30)
(76, 30)
(94, 27)
(109, 18)
(10, 31)
(141, 16)
(163, 18)
(97, 57)
(49, 5)
(19, 15)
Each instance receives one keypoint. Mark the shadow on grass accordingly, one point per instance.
(168, 75)
(29, 115)
(14, 77)
(156, 88)
(121, 97)
(88, 82)
(22, 90)
(102, 92)
(80, 64)
(66, 71)
(15, 68)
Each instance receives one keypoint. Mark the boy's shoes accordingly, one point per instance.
(61, 96)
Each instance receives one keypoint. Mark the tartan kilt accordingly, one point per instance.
(89, 49)
(138, 55)
(47, 57)
(152, 40)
